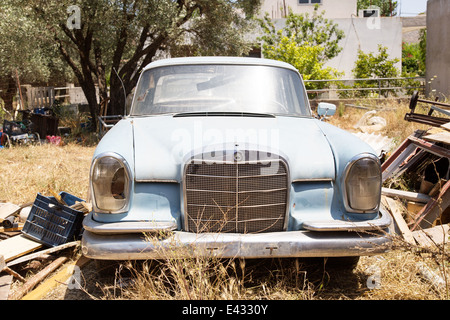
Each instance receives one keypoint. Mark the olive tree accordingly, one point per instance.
(110, 42)
(25, 53)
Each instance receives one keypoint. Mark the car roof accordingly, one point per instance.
(219, 60)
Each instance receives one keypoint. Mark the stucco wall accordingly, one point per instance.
(333, 8)
(366, 34)
(438, 47)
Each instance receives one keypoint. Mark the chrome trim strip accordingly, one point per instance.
(240, 206)
(344, 179)
(239, 192)
(155, 181)
(122, 227)
(240, 221)
(199, 161)
(240, 177)
(313, 180)
(382, 222)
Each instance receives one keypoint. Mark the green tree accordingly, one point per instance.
(123, 36)
(375, 66)
(305, 58)
(370, 65)
(313, 30)
(423, 49)
(25, 53)
(388, 8)
(412, 63)
(306, 42)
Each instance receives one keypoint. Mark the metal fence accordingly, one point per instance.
(367, 87)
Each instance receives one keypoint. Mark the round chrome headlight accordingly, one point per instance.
(110, 183)
(362, 184)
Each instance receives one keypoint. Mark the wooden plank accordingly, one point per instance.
(408, 195)
(2, 263)
(41, 253)
(443, 137)
(446, 126)
(17, 246)
(431, 237)
(3, 267)
(433, 209)
(7, 209)
(37, 278)
(61, 277)
(5, 284)
(401, 224)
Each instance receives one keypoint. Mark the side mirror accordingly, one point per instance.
(326, 109)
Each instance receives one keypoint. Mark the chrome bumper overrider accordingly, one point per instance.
(98, 244)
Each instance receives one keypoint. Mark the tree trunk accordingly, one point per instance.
(8, 91)
(117, 100)
(91, 97)
(101, 76)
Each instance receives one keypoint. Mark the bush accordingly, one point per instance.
(372, 66)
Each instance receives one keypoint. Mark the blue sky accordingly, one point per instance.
(407, 8)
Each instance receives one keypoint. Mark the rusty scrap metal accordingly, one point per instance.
(400, 159)
(427, 119)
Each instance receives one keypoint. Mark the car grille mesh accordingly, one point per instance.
(239, 197)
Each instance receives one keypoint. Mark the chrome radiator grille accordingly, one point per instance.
(237, 197)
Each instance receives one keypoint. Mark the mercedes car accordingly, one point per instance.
(224, 155)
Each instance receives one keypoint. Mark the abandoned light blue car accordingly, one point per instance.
(224, 155)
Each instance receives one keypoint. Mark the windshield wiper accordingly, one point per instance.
(223, 114)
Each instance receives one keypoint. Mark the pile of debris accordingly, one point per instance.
(37, 124)
(421, 162)
(43, 233)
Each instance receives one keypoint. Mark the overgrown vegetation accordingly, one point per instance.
(414, 56)
(373, 66)
(307, 42)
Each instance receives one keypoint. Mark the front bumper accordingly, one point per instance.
(100, 242)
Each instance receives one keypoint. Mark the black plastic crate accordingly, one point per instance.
(52, 223)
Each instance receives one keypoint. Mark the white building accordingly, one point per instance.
(361, 33)
(334, 9)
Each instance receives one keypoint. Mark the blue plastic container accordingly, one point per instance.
(52, 223)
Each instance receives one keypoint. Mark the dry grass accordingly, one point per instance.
(393, 112)
(27, 170)
(396, 275)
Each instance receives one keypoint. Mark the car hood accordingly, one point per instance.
(162, 144)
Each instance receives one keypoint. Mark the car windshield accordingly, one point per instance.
(220, 88)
